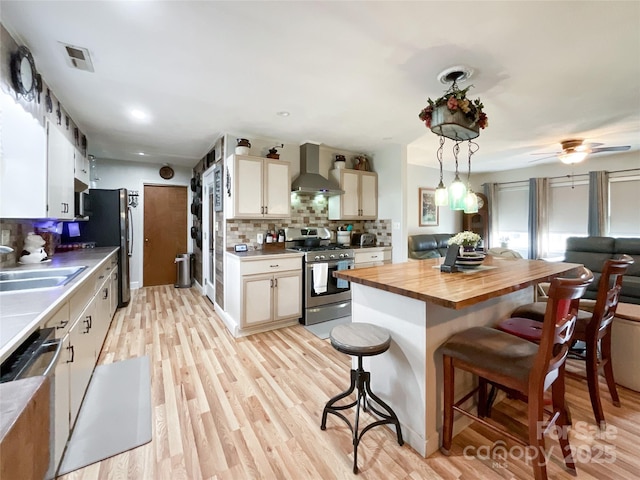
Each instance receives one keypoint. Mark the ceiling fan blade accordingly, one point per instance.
(621, 148)
(546, 153)
(543, 158)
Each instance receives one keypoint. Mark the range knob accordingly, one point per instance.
(321, 257)
(346, 255)
(332, 256)
(316, 257)
(342, 255)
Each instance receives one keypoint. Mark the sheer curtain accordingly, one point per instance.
(538, 217)
(598, 203)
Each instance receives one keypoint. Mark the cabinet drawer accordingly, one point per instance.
(271, 265)
(372, 256)
(59, 321)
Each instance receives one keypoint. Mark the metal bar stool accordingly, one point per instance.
(360, 340)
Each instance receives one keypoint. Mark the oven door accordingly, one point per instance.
(333, 293)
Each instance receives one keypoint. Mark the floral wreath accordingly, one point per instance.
(455, 100)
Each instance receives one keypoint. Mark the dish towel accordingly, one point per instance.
(320, 271)
(343, 265)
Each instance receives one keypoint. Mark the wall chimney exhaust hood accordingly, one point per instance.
(310, 181)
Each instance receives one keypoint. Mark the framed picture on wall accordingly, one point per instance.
(217, 188)
(427, 209)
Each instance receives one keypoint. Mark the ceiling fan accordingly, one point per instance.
(576, 150)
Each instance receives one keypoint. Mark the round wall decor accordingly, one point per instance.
(23, 73)
(166, 172)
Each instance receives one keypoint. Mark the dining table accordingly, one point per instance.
(422, 307)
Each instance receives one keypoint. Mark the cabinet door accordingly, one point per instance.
(114, 293)
(368, 196)
(288, 295)
(59, 174)
(248, 196)
(82, 349)
(81, 170)
(102, 315)
(257, 299)
(277, 189)
(61, 396)
(351, 198)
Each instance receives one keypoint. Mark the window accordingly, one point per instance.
(568, 212)
(624, 214)
(513, 217)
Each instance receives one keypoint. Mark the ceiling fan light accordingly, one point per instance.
(573, 157)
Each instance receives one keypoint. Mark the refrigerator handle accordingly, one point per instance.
(130, 232)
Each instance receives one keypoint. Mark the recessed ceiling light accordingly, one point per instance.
(142, 154)
(283, 113)
(139, 114)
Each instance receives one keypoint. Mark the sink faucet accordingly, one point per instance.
(4, 249)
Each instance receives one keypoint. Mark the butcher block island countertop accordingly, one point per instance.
(422, 307)
(424, 281)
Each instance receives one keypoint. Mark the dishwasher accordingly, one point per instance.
(36, 356)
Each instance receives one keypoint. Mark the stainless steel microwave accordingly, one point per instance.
(82, 205)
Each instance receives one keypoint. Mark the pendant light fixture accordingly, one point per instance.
(471, 199)
(441, 195)
(456, 117)
(457, 189)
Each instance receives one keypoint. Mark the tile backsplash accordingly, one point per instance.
(306, 211)
(18, 230)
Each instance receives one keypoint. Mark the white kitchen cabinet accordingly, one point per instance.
(260, 187)
(114, 292)
(80, 170)
(60, 183)
(264, 291)
(82, 341)
(360, 198)
(372, 257)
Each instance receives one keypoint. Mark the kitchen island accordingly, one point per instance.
(422, 307)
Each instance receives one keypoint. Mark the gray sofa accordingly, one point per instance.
(428, 245)
(592, 253)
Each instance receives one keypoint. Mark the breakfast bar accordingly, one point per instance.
(422, 307)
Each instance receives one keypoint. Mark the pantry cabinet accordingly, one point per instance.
(258, 187)
(360, 198)
(264, 291)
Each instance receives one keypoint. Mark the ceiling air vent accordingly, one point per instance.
(77, 57)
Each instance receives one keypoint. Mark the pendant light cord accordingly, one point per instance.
(439, 155)
(456, 150)
(473, 148)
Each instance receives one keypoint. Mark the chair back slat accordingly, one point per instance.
(608, 295)
(558, 326)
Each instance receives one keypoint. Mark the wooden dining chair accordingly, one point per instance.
(521, 367)
(592, 328)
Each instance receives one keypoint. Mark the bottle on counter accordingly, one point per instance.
(269, 237)
(281, 235)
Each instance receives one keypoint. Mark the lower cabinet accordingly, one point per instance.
(263, 291)
(82, 342)
(268, 298)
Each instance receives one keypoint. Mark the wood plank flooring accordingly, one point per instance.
(232, 409)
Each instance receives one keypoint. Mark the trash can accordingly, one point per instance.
(184, 270)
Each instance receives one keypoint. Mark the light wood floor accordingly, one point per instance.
(247, 408)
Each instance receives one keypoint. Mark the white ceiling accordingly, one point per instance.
(354, 75)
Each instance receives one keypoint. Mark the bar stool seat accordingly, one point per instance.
(361, 340)
(535, 311)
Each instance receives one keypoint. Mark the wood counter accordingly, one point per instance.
(422, 308)
(423, 280)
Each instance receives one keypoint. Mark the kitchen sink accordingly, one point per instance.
(15, 280)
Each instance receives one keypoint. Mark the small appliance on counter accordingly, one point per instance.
(363, 240)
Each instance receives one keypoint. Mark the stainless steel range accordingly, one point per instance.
(325, 297)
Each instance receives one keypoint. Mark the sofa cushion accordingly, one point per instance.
(591, 244)
(428, 245)
(629, 246)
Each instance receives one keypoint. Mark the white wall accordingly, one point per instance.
(390, 164)
(133, 176)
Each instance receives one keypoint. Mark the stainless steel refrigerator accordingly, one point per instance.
(109, 225)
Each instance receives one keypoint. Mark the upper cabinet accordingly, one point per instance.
(60, 165)
(258, 187)
(360, 198)
(81, 170)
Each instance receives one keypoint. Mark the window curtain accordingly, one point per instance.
(538, 217)
(491, 192)
(598, 203)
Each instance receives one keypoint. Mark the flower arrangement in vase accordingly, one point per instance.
(467, 240)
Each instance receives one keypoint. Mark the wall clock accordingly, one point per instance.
(166, 172)
(23, 73)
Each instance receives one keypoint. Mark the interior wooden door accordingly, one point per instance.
(165, 232)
